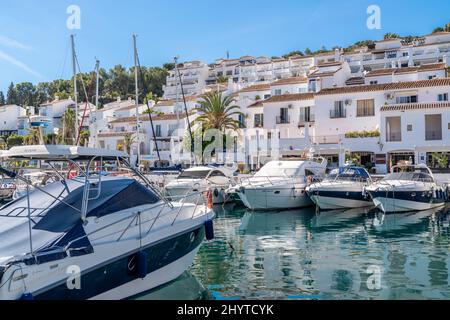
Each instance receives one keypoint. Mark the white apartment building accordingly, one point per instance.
(8, 119)
(193, 80)
(416, 130)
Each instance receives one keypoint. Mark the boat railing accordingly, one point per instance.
(339, 180)
(137, 221)
(273, 180)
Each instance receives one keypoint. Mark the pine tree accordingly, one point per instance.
(11, 96)
(2, 99)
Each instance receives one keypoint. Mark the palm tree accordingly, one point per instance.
(217, 111)
(3, 145)
(128, 141)
(34, 137)
(68, 124)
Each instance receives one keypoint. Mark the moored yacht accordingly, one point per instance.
(94, 236)
(280, 184)
(200, 179)
(408, 188)
(343, 188)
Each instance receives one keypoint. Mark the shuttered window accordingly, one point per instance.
(366, 108)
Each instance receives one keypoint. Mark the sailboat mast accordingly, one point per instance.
(138, 140)
(185, 106)
(97, 81)
(75, 93)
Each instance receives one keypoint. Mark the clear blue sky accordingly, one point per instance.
(34, 40)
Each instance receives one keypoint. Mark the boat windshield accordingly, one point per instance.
(277, 172)
(409, 176)
(199, 174)
(353, 174)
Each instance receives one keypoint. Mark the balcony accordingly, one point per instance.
(304, 118)
(283, 120)
(338, 114)
(394, 137)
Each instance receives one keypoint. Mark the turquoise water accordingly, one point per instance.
(352, 254)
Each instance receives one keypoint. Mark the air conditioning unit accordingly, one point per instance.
(348, 102)
(390, 96)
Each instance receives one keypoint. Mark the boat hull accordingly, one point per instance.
(166, 261)
(340, 200)
(405, 201)
(274, 198)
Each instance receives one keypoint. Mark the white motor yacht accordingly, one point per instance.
(342, 189)
(408, 188)
(199, 180)
(94, 236)
(280, 184)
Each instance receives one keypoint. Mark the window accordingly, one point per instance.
(241, 119)
(365, 108)
(269, 135)
(158, 130)
(431, 77)
(405, 54)
(278, 92)
(407, 99)
(229, 73)
(373, 82)
(443, 97)
(302, 90)
(391, 54)
(259, 120)
(404, 65)
(266, 96)
(409, 127)
(433, 127)
(312, 85)
(305, 114)
(338, 111)
(393, 129)
(284, 116)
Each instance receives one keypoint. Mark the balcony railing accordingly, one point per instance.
(306, 118)
(258, 125)
(433, 135)
(394, 137)
(283, 119)
(337, 114)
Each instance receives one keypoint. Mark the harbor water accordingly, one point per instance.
(299, 254)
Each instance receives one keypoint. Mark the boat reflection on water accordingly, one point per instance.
(398, 225)
(300, 254)
(186, 287)
(339, 220)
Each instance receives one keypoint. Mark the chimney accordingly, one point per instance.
(337, 54)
